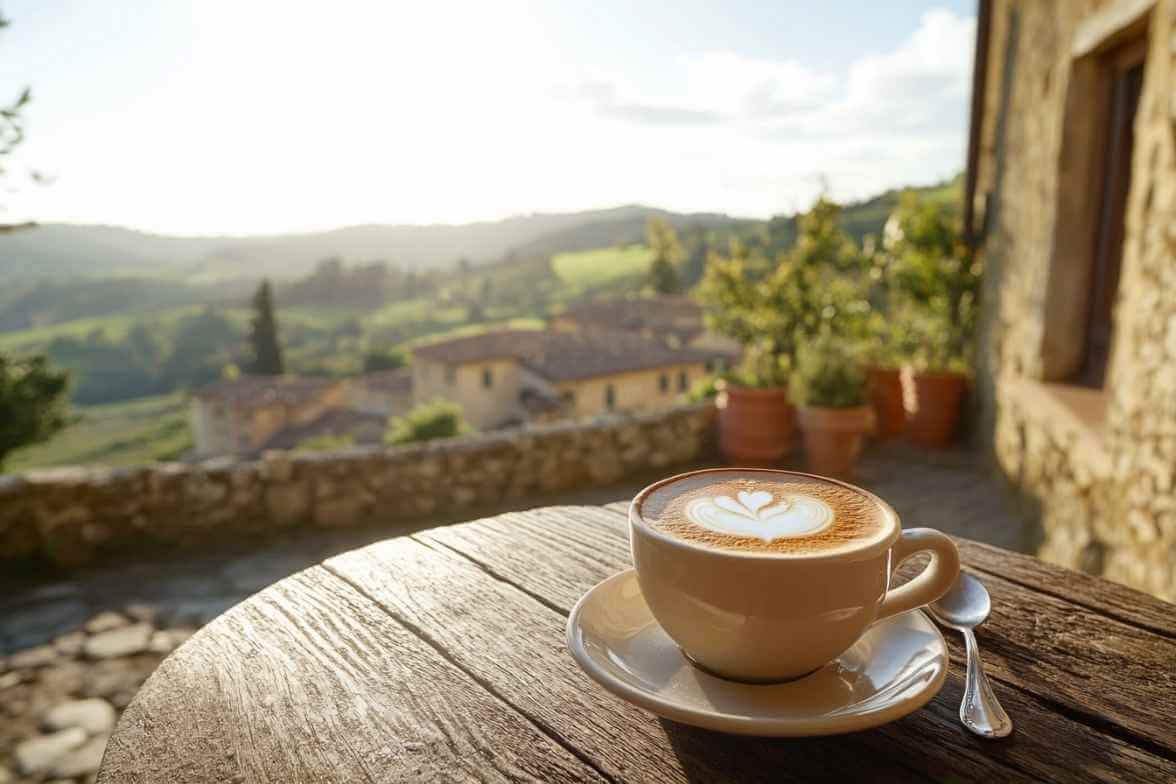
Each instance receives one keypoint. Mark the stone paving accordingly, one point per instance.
(74, 648)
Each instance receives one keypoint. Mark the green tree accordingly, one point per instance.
(817, 288)
(263, 334)
(438, 419)
(667, 255)
(32, 402)
(375, 361)
(934, 281)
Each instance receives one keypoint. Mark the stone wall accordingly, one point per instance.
(72, 515)
(1105, 488)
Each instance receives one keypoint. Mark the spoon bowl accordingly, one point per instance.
(965, 604)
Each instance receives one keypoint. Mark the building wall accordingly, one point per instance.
(483, 407)
(1100, 467)
(633, 391)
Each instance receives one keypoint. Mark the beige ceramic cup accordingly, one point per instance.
(768, 617)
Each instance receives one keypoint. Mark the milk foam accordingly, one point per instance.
(760, 514)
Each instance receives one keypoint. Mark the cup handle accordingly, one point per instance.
(929, 584)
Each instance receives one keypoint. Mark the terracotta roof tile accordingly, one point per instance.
(564, 355)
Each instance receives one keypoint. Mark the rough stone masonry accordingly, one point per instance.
(74, 515)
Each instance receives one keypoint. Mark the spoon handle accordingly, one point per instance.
(980, 711)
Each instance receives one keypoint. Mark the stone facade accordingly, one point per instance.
(1101, 464)
(71, 515)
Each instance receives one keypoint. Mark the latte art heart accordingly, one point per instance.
(758, 514)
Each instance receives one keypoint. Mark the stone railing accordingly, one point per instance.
(69, 516)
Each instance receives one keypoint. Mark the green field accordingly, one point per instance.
(120, 434)
(592, 269)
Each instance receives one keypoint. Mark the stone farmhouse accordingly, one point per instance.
(1071, 204)
(512, 376)
(674, 320)
(248, 415)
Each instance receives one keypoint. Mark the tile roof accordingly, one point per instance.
(264, 390)
(564, 355)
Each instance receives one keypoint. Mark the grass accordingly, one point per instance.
(119, 434)
(591, 269)
(115, 326)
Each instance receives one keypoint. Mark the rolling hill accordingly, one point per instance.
(63, 250)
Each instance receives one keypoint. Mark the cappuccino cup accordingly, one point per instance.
(764, 576)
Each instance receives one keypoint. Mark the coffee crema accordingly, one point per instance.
(765, 512)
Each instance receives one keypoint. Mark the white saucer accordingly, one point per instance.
(896, 667)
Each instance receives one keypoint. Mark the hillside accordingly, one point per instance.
(61, 250)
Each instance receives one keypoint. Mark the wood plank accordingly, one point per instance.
(464, 610)
(1087, 663)
(1094, 593)
(311, 681)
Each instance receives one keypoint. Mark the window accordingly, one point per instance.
(450, 375)
(1125, 87)
(683, 381)
(487, 378)
(568, 397)
(610, 397)
(1094, 178)
(710, 366)
(663, 383)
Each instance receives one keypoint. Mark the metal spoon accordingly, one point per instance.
(965, 607)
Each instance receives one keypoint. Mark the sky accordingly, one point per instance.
(254, 117)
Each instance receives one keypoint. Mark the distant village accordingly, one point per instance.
(598, 357)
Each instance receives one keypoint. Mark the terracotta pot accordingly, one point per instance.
(756, 426)
(885, 389)
(833, 438)
(936, 404)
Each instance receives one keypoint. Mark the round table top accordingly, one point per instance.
(441, 656)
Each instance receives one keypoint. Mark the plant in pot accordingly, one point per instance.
(884, 361)
(937, 286)
(828, 386)
(770, 307)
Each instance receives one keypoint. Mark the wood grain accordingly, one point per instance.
(442, 657)
(310, 681)
(516, 646)
(1094, 593)
(529, 553)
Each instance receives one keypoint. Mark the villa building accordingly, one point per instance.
(1071, 205)
(238, 416)
(511, 376)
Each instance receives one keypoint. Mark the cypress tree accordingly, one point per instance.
(263, 334)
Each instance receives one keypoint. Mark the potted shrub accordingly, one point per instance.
(939, 382)
(828, 386)
(937, 285)
(884, 388)
(757, 421)
(770, 306)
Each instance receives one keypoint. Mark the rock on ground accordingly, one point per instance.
(39, 754)
(122, 641)
(82, 760)
(94, 715)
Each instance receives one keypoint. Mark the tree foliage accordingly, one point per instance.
(817, 288)
(935, 282)
(828, 374)
(32, 402)
(375, 361)
(263, 334)
(438, 419)
(667, 255)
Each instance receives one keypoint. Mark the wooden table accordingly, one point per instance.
(441, 656)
